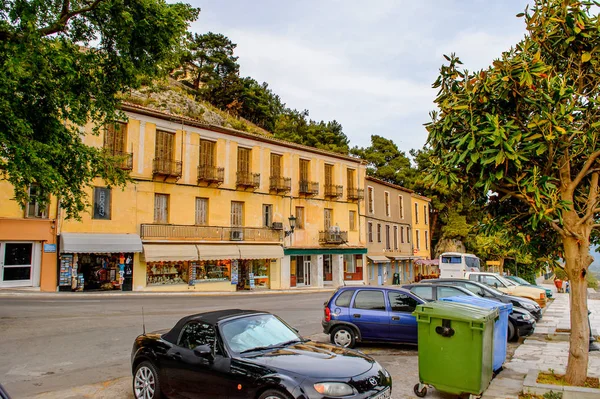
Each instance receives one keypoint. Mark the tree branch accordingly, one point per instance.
(65, 16)
(592, 200)
(582, 173)
(559, 229)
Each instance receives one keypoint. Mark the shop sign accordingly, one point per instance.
(50, 248)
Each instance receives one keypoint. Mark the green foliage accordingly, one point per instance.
(592, 280)
(386, 162)
(61, 66)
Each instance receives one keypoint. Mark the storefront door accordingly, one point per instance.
(303, 272)
(18, 261)
(307, 272)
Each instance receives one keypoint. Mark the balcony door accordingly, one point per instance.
(164, 148)
(115, 137)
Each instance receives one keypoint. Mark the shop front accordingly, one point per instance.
(319, 267)
(97, 262)
(380, 266)
(401, 266)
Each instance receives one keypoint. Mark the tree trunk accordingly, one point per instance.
(577, 259)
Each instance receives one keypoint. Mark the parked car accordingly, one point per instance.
(373, 314)
(485, 291)
(249, 354)
(3, 393)
(520, 322)
(501, 284)
(521, 281)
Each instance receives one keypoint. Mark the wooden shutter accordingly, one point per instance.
(243, 160)
(387, 236)
(202, 211)
(275, 165)
(164, 145)
(304, 170)
(237, 216)
(396, 237)
(328, 174)
(350, 177)
(207, 153)
(387, 204)
(114, 137)
(299, 217)
(161, 208)
(327, 218)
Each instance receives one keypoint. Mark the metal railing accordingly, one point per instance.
(248, 179)
(124, 160)
(308, 187)
(166, 167)
(355, 194)
(209, 233)
(333, 237)
(334, 191)
(211, 174)
(280, 184)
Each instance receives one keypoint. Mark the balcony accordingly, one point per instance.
(355, 194)
(247, 180)
(209, 233)
(333, 191)
(211, 174)
(166, 167)
(333, 237)
(308, 187)
(123, 160)
(280, 184)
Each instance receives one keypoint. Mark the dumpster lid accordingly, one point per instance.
(456, 311)
(480, 302)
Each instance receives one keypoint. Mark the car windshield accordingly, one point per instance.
(257, 333)
(506, 281)
(520, 280)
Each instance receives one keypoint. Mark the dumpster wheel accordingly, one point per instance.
(420, 390)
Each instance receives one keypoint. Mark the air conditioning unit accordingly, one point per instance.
(236, 235)
(277, 226)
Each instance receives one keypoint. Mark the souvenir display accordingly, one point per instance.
(167, 273)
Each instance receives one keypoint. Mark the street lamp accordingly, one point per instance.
(292, 220)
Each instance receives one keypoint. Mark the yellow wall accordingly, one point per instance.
(420, 227)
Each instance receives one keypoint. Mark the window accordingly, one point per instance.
(423, 292)
(351, 177)
(343, 300)
(370, 231)
(402, 234)
(371, 199)
(237, 213)
(401, 302)
(267, 215)
(327, 268)
(352, 220)
(401, 207)
(328, 175)
(492, 281)
(101, 203)
(349, 264)
(370, 300)
(243, 161)
(34, 207)
(300, 217)
(195, 334)
(387, 237)
(18, 261)
(474, 277)
(451, 259)
(408, 235)
(201, 211)
(328, 216)
(426, 239)
(275, 165)
(207, 153)
(304, 170)
(378, 232)
(161, 208)
(387, 204)
(425, 214)
(418, 243)
(396, 238)
(165, 143)
(115, 137)
(416, 213)
(471, 261)
(445, 292)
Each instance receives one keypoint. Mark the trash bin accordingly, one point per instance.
(500, 327)
(396, 280)
(455, 347)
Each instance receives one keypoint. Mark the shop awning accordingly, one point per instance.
(261, 251)
(169, 252)
(73, 243)
(427, 262)
(324, 251)
(218, 252)
(378, 258)
(401, 257)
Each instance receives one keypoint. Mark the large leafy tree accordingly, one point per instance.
(527, 128)
(62, 64)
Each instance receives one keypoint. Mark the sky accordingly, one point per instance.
(367, 64)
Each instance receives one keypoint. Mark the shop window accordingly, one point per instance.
(378, 232)
(161, 208)
(401, 207)
(299, 217)
(349, 264)
(370, 231)
(261, 271)
(237, 214)
(388, 211)
(34, 207)
(267, 215)
(167, 273)
(210, 270)
(352, 220)
(201, 211)
(18, 261)
(102, 203)
(371, 199)
(327, 268)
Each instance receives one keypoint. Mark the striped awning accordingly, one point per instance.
(378, 258)
(170, 252)
(77, 243)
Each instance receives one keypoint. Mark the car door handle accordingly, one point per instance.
(356, 316)
(176, 356)
(395, 318)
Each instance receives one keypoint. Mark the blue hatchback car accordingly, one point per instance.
(359, 314)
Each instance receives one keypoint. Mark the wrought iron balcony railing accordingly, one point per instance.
(209, 233)
(355, 194)
(280, 184)
(333, 237)
(334, 191)
(308, 187)
(211, 174)
(124, 160)
(248, 180)
(166, 167)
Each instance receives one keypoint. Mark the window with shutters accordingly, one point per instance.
(370, 231)
(164, 146)
(243, 161)
(304, 170)
(328, 175)
(237, 214)
(161, 208)
(387, 237)
(402, 234)
(426, 239)
(396, 238)
(34, 207)
(352, 220)
(267, 215)
(115, 137)
(201, 211)
(300, 217)
(378, 232)
(418, 240)
(401, 207)
(101, 203)
(275, 165)
(388, 211)
(351, 177)
(425, 214)
(328, 213)
(207, 153)
(371, 199)
(416, 213)
(408, 235)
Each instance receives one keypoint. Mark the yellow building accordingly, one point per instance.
(211, 209)
(420, 208)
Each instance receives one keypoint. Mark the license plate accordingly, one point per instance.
(385, 394)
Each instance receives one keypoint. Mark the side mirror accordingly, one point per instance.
(203, 351)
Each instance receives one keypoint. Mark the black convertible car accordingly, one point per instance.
(249, 354)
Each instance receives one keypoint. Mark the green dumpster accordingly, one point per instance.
(455, 347)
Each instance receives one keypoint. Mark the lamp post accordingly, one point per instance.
(292, 220)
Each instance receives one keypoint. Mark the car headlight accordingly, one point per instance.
(526, 317)
(334, 389)
(528, 306)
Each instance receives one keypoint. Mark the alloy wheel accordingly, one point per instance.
(145, 383)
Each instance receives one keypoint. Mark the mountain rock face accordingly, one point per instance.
(449, 245)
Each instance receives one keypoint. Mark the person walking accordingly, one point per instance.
(567, 287)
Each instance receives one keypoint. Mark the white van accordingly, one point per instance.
(455, 265)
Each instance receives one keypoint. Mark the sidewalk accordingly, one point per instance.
(547, 348)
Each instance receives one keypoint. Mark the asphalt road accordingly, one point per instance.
(51, 344)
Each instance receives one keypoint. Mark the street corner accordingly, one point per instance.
(119, 388)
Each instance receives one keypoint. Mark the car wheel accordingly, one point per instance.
(512, 332)
(146, 384)
(273, 394)
(343, 336)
